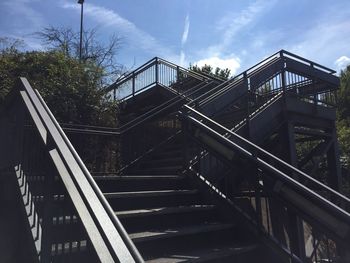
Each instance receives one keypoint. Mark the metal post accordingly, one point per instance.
(133, 84)
(81, 2)
(177, 73)
(333, 160)
(157, 77)
(295, 224)
(248, 103)
(47, 223)
(185, 146)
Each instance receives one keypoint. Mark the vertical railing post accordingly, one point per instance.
(177, 73)
(283, 76)
(133, 84)
(257, 189)
(246, 83)
(185, 148)
(313, 83)
(47, 216)
(157, 73)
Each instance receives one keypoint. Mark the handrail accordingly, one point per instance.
(309, 62)
(230, 83)
(140, 119)
(174, 73)
(189, 72)
(199, 75)
(163, 107)
(256, 152)
(130, 74)
(116, 245)
(122, 133)
(223, 86)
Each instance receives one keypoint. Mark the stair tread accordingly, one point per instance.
(131, 174)
(138, 177)
(160, 168)
(153, 160)
(203, 255)
(150, 193)
(178, 231)
(163, 210)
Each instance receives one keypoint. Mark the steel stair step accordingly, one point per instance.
(174, 161)
(229, 253)
(138, 220)
(152, 199)
(163, 211)
(149, 193)
(157, 170)
(168, 154)
(157, 242)
(127, 183)
(162, 234)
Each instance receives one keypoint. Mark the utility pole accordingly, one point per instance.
(81, 2)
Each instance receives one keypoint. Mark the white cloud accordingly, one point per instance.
(110, 18)
(342, 62)
(325, 42)
(232, 23)
(186, 30)
(22, 20)
(232, 63)
(182, 58)
(30, 21)
(229, 27)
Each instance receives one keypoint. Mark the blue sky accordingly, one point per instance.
(234, 34)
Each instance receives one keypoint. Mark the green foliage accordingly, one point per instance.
(71, 89)
(208, 69)
(343, 116)
(344, 95)
(343, 126)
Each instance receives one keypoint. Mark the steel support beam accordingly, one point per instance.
(333, 161)
(295, 224)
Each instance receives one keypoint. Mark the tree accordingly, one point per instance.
(344, 94)
(73, 94)
(208, 69)
(343, 115)
(95, 53)
(343, 126)
(8, 44)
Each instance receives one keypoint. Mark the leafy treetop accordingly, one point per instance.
(208, 69)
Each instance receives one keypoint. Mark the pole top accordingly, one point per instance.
(81, 2)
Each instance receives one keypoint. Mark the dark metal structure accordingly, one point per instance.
(200, 170)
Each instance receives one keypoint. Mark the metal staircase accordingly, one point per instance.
(200, 170)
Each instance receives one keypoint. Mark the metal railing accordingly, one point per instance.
(275, 73)
(255, 92)
(69, 217)
(114, 149)
(261, 181)
(157, 71)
